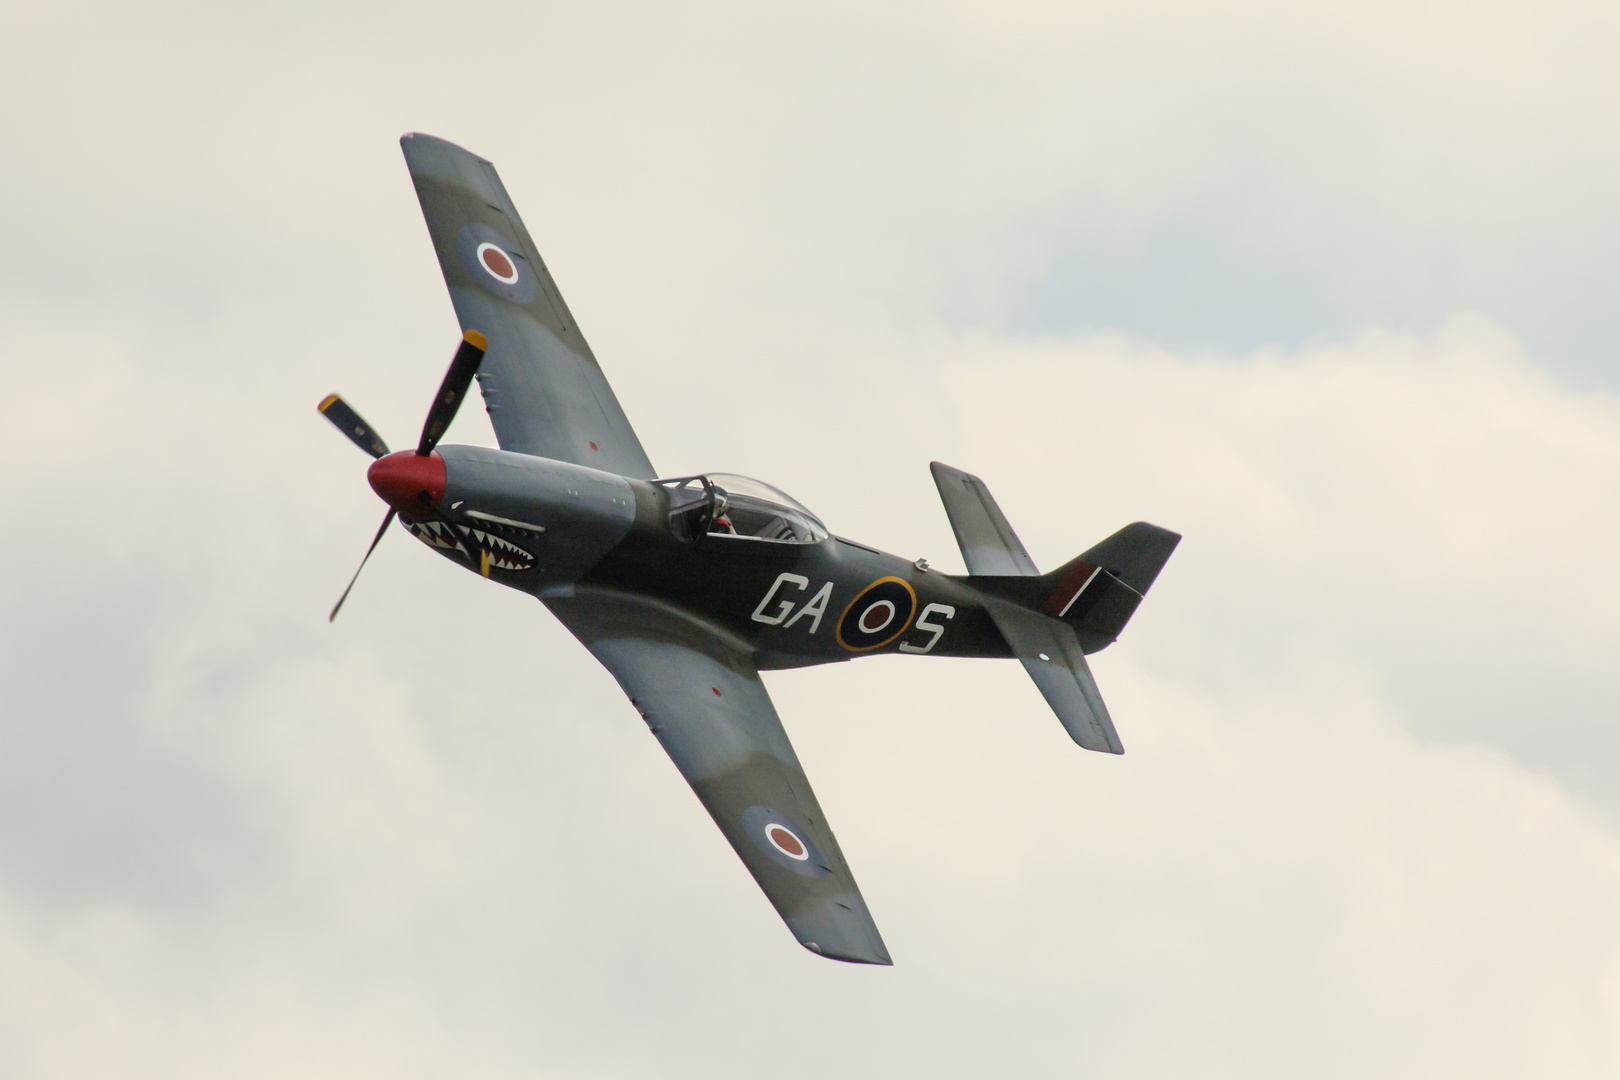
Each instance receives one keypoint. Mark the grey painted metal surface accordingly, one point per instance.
(685, 589)
(1047, 647)
(700, 694)
(989, 545)
(544, 390)
(1051, 654)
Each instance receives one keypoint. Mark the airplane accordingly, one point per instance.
(686, 588)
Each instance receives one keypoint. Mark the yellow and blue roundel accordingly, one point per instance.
(878, 615)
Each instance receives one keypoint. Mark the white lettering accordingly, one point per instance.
(816, 607)
(937, 628)
(770, 594)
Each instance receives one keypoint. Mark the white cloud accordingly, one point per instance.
(467, 854)
(1365, 820)
(1430, 507)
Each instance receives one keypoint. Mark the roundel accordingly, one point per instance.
(784, 841)
(495, 263)
(877, 616)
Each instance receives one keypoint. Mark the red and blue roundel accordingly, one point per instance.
(878, 615)
(494, 263)
(784, 841)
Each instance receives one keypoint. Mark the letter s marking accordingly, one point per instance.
(937, 628)
(770, 594)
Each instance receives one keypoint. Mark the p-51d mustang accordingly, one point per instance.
(687, 588)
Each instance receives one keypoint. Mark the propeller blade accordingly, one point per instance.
(453, 389)
(353, 425)
(387, 521)
(456, 381)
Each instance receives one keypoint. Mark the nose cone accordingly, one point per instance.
(401, 477)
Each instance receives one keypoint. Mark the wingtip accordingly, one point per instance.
(943, 472)
(410, 137)
(879, 959)
(842, 929)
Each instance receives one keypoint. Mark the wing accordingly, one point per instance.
(544, 390)
(703, 699)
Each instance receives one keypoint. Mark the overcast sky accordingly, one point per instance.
(1332, 292)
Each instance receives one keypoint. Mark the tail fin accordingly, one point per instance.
(1051, 621)
(1097, 593)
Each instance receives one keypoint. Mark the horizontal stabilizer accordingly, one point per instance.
(1051, 653)
(989, 545)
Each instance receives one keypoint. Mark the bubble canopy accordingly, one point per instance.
(739, 507)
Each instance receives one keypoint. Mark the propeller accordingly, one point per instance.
(462, 369)
(387, 521)
(457, 380)
(353, 425)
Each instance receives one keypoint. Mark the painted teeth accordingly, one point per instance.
(433, 533)
(502, 553)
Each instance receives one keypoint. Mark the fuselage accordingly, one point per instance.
(555, 529)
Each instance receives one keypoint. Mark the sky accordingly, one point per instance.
(1327, 290)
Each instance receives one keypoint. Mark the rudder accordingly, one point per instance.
(1098, 592)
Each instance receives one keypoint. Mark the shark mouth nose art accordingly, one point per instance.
(501, 553)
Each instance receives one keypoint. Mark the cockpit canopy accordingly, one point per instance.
(722, 504)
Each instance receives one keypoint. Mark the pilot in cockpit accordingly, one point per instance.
(750, 510)
(720, 523)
